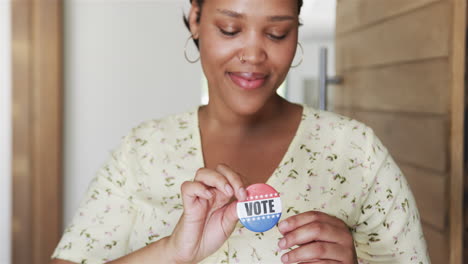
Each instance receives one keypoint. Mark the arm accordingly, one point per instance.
(209, 218)
(155, 251)
(61, 261)
(389, 228)
(386, 230)
(101, 226)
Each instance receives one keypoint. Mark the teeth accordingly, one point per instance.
(247, 75)
(250, 75)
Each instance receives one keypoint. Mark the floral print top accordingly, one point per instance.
(334, 164)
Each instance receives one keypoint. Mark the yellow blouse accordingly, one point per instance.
(334, 164)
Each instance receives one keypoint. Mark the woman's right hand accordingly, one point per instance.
(209, 215)
(208, 220)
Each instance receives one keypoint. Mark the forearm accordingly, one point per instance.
(157, 252)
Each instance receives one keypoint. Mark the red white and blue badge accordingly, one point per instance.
(262, 209)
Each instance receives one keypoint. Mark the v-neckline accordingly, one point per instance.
(286, 156)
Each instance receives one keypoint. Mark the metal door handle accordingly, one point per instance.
(324, 80)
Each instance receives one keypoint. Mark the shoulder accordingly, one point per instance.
(334, 125)
(160, 134)
(338, 135)
(168, 126)
(174, 123)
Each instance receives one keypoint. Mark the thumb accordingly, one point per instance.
(230, 218)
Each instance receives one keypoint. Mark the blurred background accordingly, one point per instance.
(76, 76)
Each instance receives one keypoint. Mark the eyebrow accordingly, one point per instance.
(234, 14)
(230, 13)
(280, 18)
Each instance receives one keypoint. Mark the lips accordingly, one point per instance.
(248, 80)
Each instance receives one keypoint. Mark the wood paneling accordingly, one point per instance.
(415, 139)
(37, 129)
(457, 115)
(419, 35)
(354, 15)
(438, 245)
(414, 87)
(429, 189)
(403, 64)
(21, 140)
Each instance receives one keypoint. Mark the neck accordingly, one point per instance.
(218, 116)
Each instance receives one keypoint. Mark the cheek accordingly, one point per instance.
(212, 55)
(282, 57)
(289, 51)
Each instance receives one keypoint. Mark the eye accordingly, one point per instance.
(228, 33)
(277, 37)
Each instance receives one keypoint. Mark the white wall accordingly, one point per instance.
(318, 18)
(124, 64)
(5, 133)
(318, 30)
(309, 69)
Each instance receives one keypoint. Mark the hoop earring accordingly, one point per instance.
(185, 51)
(302, 57)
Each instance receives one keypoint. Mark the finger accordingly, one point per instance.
(319, 251)
(214, 179)
(230, 217)
(231, 213)
(193, 190)
(316, 231)
(322, 262)
(235, 180)
(299, 220)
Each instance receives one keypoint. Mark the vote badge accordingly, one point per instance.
(262, 208)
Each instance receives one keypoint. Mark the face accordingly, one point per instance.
(246, 49)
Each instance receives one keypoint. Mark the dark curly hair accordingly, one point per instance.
(200, 3)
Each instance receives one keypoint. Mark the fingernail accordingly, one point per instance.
(282, 243)
(284, 258)
(283, 225)
(242, 193)
(228, 189)
(208, 194)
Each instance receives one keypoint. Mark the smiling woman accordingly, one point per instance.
(168, 193)
(233, 27)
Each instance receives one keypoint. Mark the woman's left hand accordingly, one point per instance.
(321, 239)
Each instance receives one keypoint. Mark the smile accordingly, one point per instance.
(248, 80)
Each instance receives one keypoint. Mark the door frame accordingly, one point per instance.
(457, 131)
(37, 84)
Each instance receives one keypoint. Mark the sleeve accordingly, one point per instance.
(101, 227)
(389, 228)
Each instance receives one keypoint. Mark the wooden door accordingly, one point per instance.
(403, 68)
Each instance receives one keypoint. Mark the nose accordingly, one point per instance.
(253, 51)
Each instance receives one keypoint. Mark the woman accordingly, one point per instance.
(168, 193)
